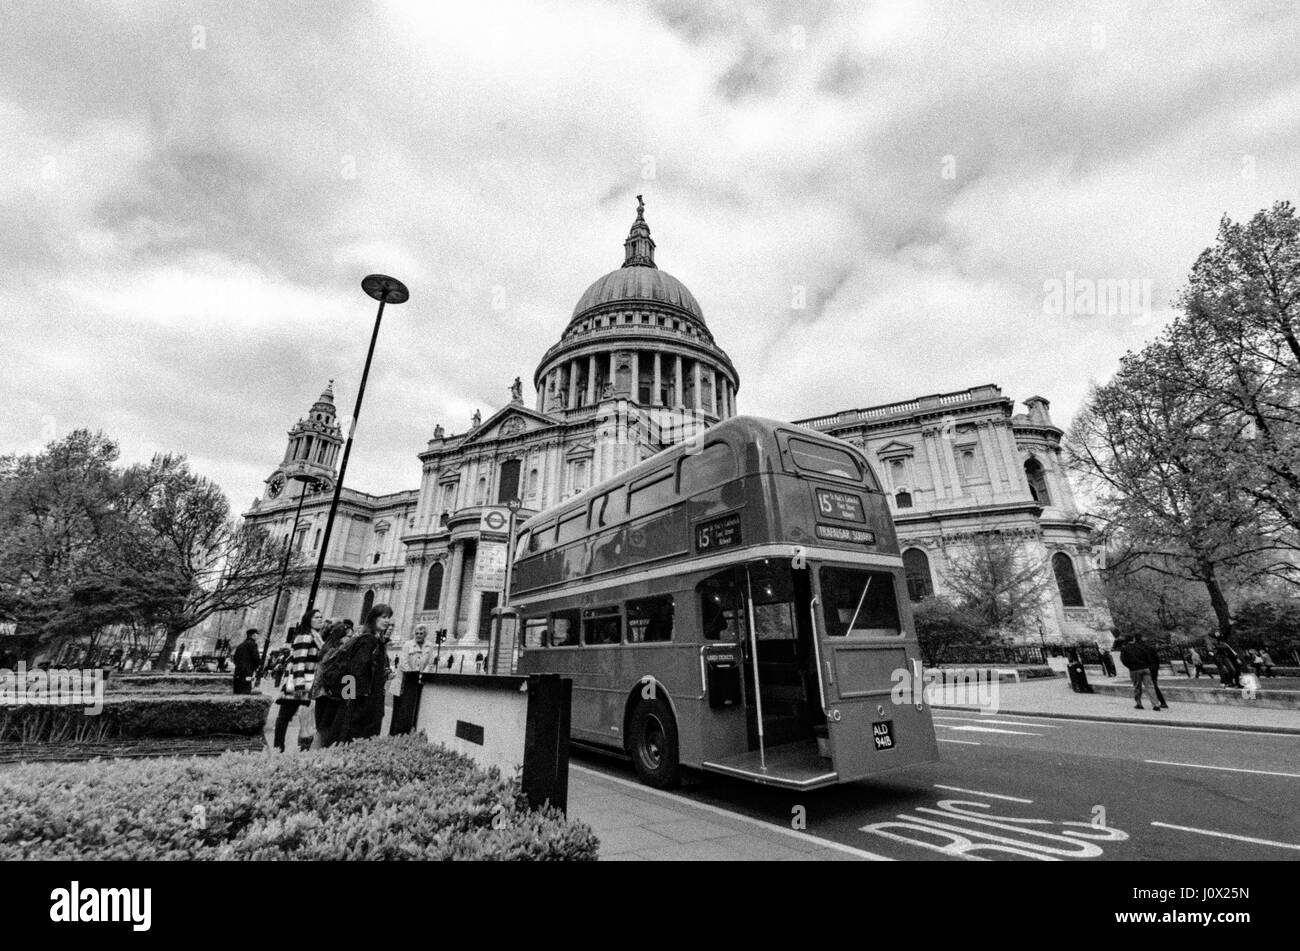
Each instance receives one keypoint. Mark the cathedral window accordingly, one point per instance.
(903, 499)
(1067, 582)
(916, 568)
(968, 461)
(533, 478)
(1037, 482)
(433, 591)
(480, 491)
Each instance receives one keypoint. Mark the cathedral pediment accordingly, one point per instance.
(895, 448)
(509, 422)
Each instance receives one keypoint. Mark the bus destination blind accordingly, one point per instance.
(842, 505)
(721, 532)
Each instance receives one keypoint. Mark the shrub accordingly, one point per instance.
(380, 799)
(168, 683)
(129, 716)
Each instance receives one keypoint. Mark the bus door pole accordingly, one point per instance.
(753, 648)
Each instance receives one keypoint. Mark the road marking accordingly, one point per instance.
(962, 742)
(1226, 769)
(1111, 722)
(991, 795)
(1044, 726)
(992, 729)
(717, 810)
(1228, 835)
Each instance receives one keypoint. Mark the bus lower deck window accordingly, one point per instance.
(602, 625)
(721, 611)
(650, 620)
(564, 629)
(534, 632)
(859, 602)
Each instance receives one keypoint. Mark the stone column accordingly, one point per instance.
(932, 457)
(613, 367)
(573, 383)
(713, 392)
(677, 382)
(654, 396)
(950, 464)
(985, 432)
(451, 601)
(635, 395)
(695, 379)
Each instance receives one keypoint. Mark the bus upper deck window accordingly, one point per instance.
(859, 602)
(828, 460)
(703, 470)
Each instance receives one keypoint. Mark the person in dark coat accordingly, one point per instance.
(1134, 656)
(247, 658)
(1229, 664)
(362, 711)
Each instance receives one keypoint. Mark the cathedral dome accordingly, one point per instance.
(639, 283)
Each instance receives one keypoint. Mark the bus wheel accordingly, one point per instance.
(654, 744)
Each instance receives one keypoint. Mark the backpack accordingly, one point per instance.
(332, 667)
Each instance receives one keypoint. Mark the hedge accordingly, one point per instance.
(129, 716)
(170, 683)
(379, 799)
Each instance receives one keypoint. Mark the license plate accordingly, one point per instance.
(882, 733)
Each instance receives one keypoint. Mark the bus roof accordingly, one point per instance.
(747, 428)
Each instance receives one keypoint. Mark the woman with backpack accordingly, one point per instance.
(326, 691)
(361, 714)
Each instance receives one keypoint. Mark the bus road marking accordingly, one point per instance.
(962, 742)
(739, 817)
(978, 792)
(992, 729)
(982, 719)
(1226, 769)
(1228, 835)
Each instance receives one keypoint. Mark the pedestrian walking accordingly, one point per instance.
(327, 687)
(1134, 656)
(295, 693)
(1153, 664)
(416, 656)
(247, 658)
(361, 714)
(1196, 662)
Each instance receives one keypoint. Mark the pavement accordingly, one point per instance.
(636, 823)
(1054, 698)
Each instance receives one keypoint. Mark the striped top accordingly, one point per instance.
(302, 664)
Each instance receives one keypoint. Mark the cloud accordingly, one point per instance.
(195, 191)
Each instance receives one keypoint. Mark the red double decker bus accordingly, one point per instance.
(734, 604)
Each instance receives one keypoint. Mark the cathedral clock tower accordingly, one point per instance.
(312, 452)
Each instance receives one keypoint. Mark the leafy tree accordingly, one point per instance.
(1161, 606)
(1237, 347)
(1272, 624)
(1171, 506)
(996, 582)
(58, 526)
(942, 625)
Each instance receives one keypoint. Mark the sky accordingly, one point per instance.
(871, 201)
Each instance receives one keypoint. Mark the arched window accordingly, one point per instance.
(1067, 582)
(533, 478)
(903, 499)
(970, 465)
(367, 603)
(480, 491)
(1037, 482)
(433, 593)
(916, 568)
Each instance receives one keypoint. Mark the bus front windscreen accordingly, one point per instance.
(859, 602)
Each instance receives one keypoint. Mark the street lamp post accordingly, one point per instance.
(386, 290)
(307, 482)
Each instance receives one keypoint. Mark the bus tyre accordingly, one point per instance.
(654, 744)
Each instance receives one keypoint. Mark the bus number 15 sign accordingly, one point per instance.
(721, 532)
